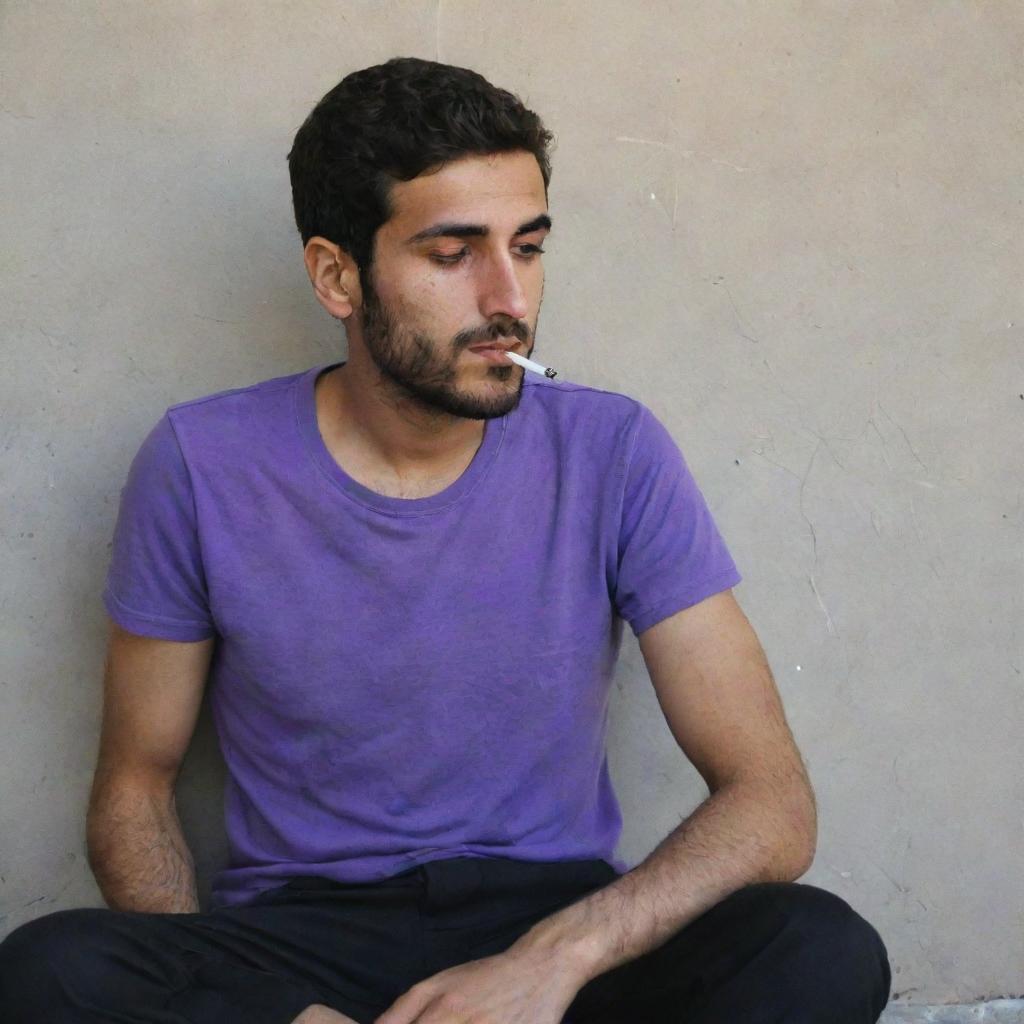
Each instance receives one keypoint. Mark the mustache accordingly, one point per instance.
(511, 329)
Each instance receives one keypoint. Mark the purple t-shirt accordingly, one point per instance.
(397, 680)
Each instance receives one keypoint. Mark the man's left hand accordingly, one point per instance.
(514, 987)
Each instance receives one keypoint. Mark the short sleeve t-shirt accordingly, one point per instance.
(400, 680)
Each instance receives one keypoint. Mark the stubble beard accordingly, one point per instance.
(415, 369)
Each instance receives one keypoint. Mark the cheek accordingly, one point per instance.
(442, 307)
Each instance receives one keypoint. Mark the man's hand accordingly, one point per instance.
(513, 987)
(320, 1014)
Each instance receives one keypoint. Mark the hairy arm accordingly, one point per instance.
(137, 851)
(759, 823)
(152, 694)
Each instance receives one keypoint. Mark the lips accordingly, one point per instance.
(494, 351)
(493, 354)
(501, 346)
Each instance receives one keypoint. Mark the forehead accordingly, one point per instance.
(496, 189)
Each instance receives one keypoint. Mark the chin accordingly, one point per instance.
(480, 404)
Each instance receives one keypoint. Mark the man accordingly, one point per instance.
(407, 575)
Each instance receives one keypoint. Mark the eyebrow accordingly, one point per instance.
(456, 230)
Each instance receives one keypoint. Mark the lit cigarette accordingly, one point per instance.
(529, 364)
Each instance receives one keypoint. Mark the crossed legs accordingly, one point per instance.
(772, 953)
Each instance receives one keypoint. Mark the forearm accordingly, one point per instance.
(138, 853)
(742, 834)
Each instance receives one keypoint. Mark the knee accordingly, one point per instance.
(63, 935)
(56, 947)
(834, 942)
(829, 922)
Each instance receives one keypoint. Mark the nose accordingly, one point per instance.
(502, 289)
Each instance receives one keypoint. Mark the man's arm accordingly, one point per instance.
(759, 823)
(152, 691)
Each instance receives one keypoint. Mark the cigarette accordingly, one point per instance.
(529, 364)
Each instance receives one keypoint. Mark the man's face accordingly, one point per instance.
(430, 296)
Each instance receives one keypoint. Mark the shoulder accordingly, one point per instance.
(234, 414)
(582, 409)
(608, 427)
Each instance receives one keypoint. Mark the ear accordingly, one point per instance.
(334, 275)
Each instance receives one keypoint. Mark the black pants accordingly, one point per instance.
(772, 953)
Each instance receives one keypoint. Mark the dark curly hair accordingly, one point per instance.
(390, 123)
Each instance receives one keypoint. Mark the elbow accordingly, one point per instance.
(101, 821)
(788, 819)
(795, 816)
(804, 862)
(804, 817)
(118, 803)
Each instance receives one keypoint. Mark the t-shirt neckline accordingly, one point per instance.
(316, 448)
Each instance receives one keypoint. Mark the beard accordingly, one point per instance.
(417, 368)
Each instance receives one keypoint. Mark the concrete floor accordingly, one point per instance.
(999, 1011)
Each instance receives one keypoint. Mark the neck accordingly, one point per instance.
(357, 403)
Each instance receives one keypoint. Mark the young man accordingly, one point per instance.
(407, 575)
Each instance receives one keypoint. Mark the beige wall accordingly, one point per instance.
(793, 229)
